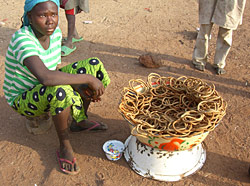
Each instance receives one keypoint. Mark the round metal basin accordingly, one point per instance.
(160, 164)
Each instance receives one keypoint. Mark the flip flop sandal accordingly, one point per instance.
(65, 51)
(94, 128)
(74, 40)
(71, 163)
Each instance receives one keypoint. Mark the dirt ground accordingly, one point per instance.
(120, 32)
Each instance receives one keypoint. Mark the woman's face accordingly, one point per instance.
(44, 18)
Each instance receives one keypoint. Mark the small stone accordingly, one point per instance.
(150, 61)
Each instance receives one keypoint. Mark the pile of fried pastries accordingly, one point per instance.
(169, 106)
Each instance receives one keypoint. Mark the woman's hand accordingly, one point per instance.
(97, 88)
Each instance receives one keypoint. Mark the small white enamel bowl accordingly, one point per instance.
(113, 149)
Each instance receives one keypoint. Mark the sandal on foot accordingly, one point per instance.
(74, 40)
(66, 50)
(95, 128)
(66, 166)
(220, 71)
(200, 67)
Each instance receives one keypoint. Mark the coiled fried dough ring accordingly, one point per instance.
(168, 106)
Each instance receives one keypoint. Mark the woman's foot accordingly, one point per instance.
(66, 160)
(87, 125)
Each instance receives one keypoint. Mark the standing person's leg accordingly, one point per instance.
(72, 35)
(201, 47)
(223, 45)
(71, 19)
(68, 47)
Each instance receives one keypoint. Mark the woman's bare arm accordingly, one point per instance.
(51, 78)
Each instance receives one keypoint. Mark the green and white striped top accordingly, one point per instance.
(24, 44)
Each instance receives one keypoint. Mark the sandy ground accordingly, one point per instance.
(120, 32)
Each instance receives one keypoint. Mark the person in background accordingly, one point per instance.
(32, 85)
(72, 7)
(228, 16)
